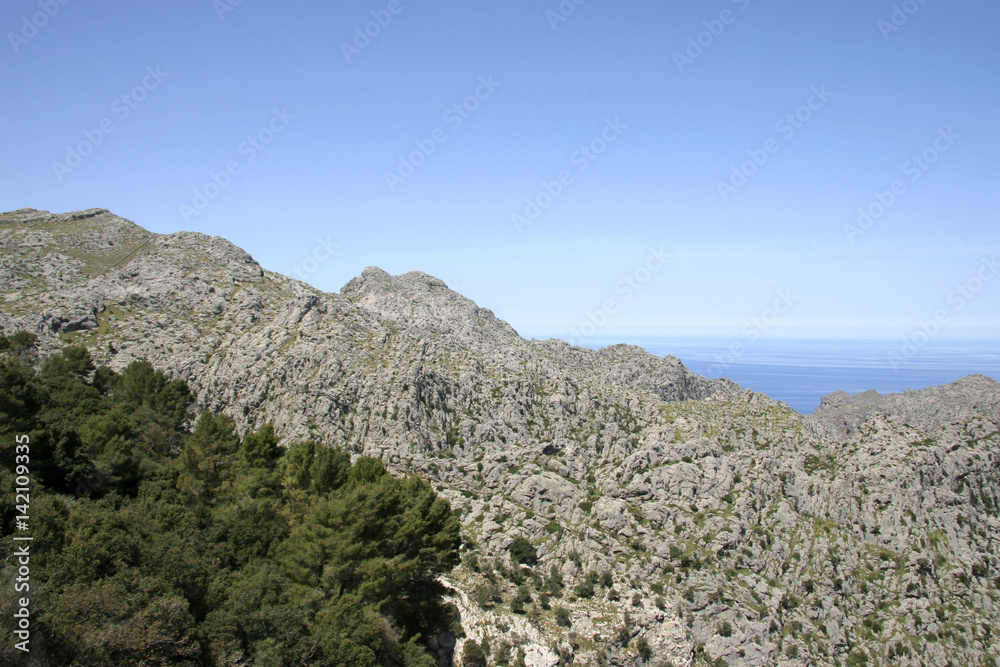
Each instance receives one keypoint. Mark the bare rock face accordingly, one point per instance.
(676, 519)
(840, 414)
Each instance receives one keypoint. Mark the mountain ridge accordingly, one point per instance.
(731, 528)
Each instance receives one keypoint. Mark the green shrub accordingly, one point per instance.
(643, 649)
(584, 590)
(857, 658)
(522, 551)
(473, 655)
(521, 597)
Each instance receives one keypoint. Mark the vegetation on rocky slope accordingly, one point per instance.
(158, 544)
(617, 508)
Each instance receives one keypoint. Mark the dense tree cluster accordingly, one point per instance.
(155, 543)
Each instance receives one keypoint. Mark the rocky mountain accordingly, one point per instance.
(674, 519)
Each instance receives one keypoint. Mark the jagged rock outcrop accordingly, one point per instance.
(840, 414)
(686, 518)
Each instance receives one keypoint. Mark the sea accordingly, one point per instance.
(801, 371)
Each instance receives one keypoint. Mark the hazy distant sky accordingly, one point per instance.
(668, 98)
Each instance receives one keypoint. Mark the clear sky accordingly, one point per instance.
(606, 169)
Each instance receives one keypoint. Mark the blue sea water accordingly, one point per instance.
(801, 372)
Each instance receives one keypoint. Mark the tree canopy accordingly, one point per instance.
(160, 542)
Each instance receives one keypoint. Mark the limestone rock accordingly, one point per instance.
(690, 515)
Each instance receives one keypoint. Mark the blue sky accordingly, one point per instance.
(626, 169)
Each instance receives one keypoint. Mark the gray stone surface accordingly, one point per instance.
(733, 527)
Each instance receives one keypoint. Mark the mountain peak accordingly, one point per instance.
(374, 278)
(424, 303)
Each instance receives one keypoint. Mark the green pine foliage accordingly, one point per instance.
(523, 552)
(159, 543)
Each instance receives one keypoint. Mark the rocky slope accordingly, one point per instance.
(676, 519)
